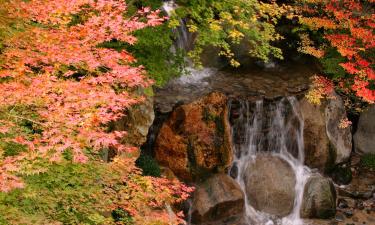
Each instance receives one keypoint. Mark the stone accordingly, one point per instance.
(342, 203)
(270, 183)
(217, 198)
(316, 142)
(319, 198)
(195, 141)
(364, 141)
(340, 138)
(326, 143)
(137, 122)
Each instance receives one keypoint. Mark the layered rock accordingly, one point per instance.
(319, 198)
(219, 198)
(270, 183)
(364, 137)
(326, 143)
(195, 141)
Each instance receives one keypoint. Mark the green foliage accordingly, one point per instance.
(331, 64)
(226, 24)
(149, 165)
(68, 193)
(368, 160)
(123, 217)
(152, 50)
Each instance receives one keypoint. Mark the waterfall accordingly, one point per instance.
(183, 38)
(277, 128)
(184, 41)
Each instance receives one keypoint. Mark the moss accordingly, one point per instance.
(368, 161)
(198, 173)
(149, 165)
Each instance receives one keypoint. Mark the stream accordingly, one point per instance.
(266, 111)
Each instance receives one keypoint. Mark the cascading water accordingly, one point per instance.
(184, 41)
(277, 128)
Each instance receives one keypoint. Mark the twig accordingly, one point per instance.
(23, 118)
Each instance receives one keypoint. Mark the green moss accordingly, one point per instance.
(368, 160)
(149, 165)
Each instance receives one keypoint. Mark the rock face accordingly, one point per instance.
(315, 137)
(340, 138)
(319, 198)
(196, 140)
(270, 183)
(364, 141)
(218, 198)
(325, 142)
(137, 122)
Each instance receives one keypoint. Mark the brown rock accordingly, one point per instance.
(218, 198)
(326, 144)
(196, 140)
(270, 183)
(315, 137)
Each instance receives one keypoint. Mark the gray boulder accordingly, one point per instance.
(319, 198)
(364, 137)
(270, 184)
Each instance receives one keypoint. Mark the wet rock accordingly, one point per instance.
(319, 198)
(339, 217)
(348, 213)
(270, 183)
(195, 141)
(342, 203)
(218, 198)
(326, 144)
(364, 141)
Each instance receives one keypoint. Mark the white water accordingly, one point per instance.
(184, 41)
(283, 138)
(277, 128)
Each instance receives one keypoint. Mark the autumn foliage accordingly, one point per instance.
(55, 68)
(348, 27)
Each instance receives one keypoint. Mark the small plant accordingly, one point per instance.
(148, 165)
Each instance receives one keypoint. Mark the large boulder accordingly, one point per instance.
(270, 184)
(340, 138)
(316, 142)
(137, 121)
(219, 198)
(195, 141)
(326, 143)
(364, 137)
(319, 198)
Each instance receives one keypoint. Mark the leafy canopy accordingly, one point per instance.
(229, 23)
(348, 40)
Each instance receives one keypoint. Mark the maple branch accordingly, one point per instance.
(24, 118)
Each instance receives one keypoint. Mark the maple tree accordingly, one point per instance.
(347, 26)
(55, 69)
(246, 24)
